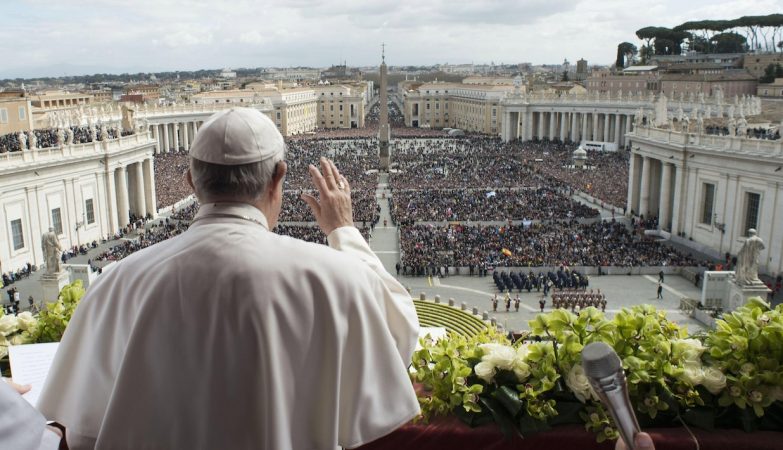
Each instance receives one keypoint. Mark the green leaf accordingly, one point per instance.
(567, 412)
(529, 426)
(501, 416)
(703, 418)
(509, 398)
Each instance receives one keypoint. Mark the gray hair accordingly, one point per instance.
(240, 182)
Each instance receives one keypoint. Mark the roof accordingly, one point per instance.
(640, 69)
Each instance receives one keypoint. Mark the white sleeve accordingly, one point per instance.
(21, 426)
(397, 303)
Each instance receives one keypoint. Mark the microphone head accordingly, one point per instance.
(600, 360)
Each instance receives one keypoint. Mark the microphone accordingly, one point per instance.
(605, 373)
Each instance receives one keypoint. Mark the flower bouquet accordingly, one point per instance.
(730, 377)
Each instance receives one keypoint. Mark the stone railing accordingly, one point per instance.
(708, 106)
(19, 158)
(726, 144)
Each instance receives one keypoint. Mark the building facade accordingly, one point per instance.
(707, 191)
(773, 90)
(15, 112)
(84, 192)
(470, 107)
(756, 63)
(340, 106)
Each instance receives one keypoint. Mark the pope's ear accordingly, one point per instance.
(279, 174)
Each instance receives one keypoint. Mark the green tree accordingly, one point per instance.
(625, 53)
(729, 43)
(564, 77)
(769, 74)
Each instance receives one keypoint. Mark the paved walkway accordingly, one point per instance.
(385, 239)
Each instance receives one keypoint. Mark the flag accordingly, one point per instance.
(506, 252)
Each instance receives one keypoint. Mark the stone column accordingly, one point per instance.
(678, 201)
(644, 190)
(540, 128)
(154, 134)
(617, 121)
(594, 137)
(112, 202)
(175, 133)
(574, 132)
(633, 185)
(166, 145)
(122, 196)
(140, 207)
(628, 124)
(552, 125)
(149, 187)
(185, 135)
(583, 134)
(664, 210)
(563, 120)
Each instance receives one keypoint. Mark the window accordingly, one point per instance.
(22, 113)
(752, 202)
(16, 234)
(708, 201)
(341, 107)
(89, 211)
(3, 115)
(57, 221)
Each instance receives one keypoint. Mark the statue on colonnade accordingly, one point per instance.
(50, 245)
(33, 140)
(747, 270)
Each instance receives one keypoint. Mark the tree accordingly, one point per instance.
(769, 74)
(729, 43)
(646, 34)
(625, 53)
(565, 76)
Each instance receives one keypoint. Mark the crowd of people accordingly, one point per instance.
(576, 300)
(357, 160)
(605, 176)
(550, 244)
(50, 137)
(479, 204)
(170, 183)
(755, 133)
(150, 236)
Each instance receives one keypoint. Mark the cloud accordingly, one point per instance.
(152, 35)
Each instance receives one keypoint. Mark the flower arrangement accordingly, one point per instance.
(729, 377)
(48, 326)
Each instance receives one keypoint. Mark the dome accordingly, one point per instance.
(580, 153)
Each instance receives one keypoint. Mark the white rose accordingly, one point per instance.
(8, 325)
(500, 356)
(688, 349)
(485, 371)
(578, 383)
(714, 380)
(26, 321)
(692, 374)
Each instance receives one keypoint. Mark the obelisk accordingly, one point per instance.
(384, 132)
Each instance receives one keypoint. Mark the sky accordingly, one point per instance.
(73, 37)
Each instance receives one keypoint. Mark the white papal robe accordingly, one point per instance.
(231, 336)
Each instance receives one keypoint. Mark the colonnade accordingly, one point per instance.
(173, 136)
(131, 191)
(655, 190)
(573, 126)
